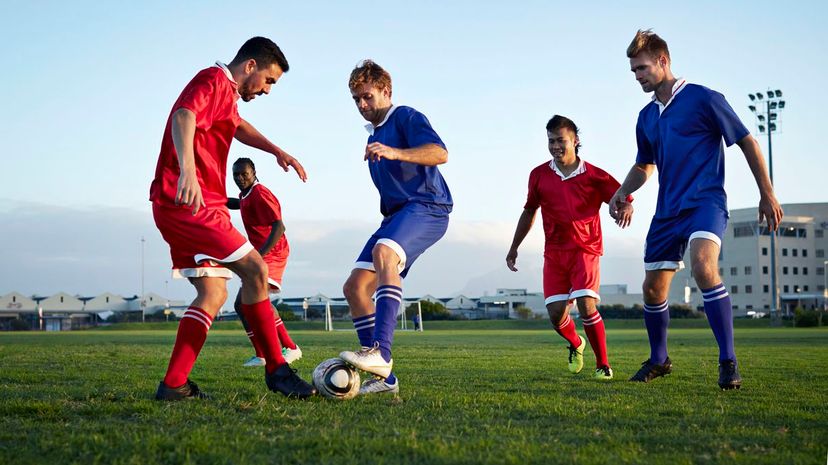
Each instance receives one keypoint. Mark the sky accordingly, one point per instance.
(89, 86)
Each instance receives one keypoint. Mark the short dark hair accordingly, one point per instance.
(247, 161)
(264, 51)
(648, 42)
(558, 122)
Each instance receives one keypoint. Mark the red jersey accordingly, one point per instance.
(570, 207)
(212, 96)
(259, 210)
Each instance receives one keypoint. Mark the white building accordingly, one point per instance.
(745, 261)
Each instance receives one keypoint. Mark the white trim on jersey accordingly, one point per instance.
(579, 170)
(677, 87)
(665, 265)
(705, 235)
(370, 127)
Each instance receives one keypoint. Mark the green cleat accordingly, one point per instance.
(576, 357)
(603, 374)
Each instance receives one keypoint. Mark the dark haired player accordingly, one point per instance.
(189, 200)
(569, 192)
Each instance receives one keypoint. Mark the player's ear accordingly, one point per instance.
(250, 66)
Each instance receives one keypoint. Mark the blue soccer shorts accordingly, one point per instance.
(408, 232)
(668, 238)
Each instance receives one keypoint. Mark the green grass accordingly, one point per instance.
(471, 393)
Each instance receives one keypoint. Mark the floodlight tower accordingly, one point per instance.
(767, 108)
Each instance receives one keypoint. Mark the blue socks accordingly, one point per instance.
(656, 319)
(364, 327)
(719, 313)
(388, 301)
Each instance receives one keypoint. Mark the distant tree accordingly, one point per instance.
(431, 310)
(286, 312)
(524, 313)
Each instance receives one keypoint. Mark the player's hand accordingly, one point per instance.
(374, 151)
(189, 191)
(618, 199)
(286, 161)
(511, 259)
(624, 212)
(770, 211)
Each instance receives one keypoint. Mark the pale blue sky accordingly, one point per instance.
(89, 86)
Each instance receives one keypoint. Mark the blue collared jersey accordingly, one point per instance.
(400, 182)
(685, 144)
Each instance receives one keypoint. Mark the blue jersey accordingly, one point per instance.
(400, 182)
(685, 142)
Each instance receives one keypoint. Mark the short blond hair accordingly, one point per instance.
(368, 72)
(648, 42)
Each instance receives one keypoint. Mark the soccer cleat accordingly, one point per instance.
(650, 371)
(255, 361)
(291, 355)
(603, 374)
(379, 386)
(368, 359)
(188, 390)
(576, 357)
(285, 380)
(729, 377)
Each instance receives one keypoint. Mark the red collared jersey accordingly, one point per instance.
(571, 207)
(259, 210)
(212, 96)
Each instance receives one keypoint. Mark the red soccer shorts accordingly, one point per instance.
(198, 243)
(569, 274)
(276, 263)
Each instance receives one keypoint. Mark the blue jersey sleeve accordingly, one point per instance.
(726, 119)
(418, 131)
(645, 150)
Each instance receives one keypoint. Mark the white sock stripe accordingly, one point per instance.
(390, 288)
(656, 308)
(589, 321)
(279, 322)
(364, 325)
(715, 290)
(201, 314)
(716, 298)
(250, 334)
(358, 321)
(389, 296)
(198, 318)
(565, 322)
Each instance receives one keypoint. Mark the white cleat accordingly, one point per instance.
(291, 355)
(379, 386)
(368, 359)
(255, 362)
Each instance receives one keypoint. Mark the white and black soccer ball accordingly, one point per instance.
(335, 379)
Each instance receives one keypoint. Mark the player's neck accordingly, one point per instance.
(381, 114)
(664, 92)
(567, 168)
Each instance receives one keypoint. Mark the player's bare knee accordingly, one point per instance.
(586, 306)
(705, 275)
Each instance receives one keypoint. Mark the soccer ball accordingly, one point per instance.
(335, 379)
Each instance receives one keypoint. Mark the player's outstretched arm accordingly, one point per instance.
(428, 154)
(524, 224)
(636, 178)
(769, 208)
(248, 135)
(277, 230)
(183, 132)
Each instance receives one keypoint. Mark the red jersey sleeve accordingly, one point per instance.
(606, 185)
(532, 199)
(198, 97)
(267, 207)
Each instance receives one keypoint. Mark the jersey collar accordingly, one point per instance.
(677, 87)
(579, 170)
(229, 75)
(371, 128)
(249, 191)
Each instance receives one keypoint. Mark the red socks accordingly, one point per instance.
(594, 329)
(192, 332)
(284, 337)
(260, 318)
(567, 330)
(255, 342)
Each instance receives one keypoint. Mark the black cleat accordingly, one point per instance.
(286, 381)
(650, 371)
(729, 377)
(188, 390)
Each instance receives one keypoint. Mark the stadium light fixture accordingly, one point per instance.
(778, 93)
(752, 107)
(761, 118)
(762, 129)
(773, 105)
(781, 104)
(770, 94)
(759, 95)
(752, 97)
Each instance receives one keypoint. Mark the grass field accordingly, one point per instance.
(492, 392)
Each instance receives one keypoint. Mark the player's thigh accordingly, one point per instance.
(707, 227)
(361, 281)
(557, 310)
(211, 293)
(249, 267)
(412, 230)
